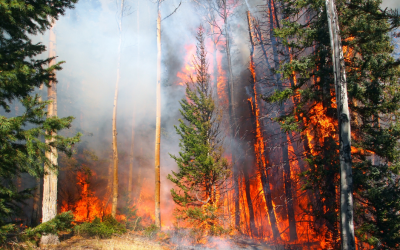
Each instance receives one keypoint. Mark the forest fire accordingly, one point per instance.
(188, 69)
(88, 206)
(288, 136)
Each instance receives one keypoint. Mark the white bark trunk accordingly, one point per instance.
(158, 121)
(346, 180)
(49, 209)
(114, 121)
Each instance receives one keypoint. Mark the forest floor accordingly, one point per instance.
(138, 242)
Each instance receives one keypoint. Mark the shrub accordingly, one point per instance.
(6, 230)
(100, 229)
(132, 221)
(151, 230)
(62, 222)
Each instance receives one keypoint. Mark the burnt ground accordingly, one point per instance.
(161, 241)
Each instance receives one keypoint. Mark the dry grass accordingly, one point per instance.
(116, 243)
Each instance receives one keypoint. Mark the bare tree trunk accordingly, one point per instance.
(50, 178)
(253, 229)
(139, 177)
(130, 180)
(346, 181)
(262, 168)
(37, 202)
(35, 220)
(232, 117)
(268, 201)
(130, 175)
(214, 46)
(114, 121)
(158, 121)
(273, 21)
(230, 73)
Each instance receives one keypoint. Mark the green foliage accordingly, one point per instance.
(374, 100)
(5, 231)
(132, 221)
(206, 220)
(62, 222)
(22, 148)
(102, 229)
(201, 167)
(151, 230)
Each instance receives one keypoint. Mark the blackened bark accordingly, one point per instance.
(284, 142)
(249, 201)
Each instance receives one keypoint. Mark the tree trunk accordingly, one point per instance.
(35, 220)
(268, 201)
(158, 121)
(114, 121)
(346, 181)
(130, 175)
(232, 117)
(256, 125)
(230, 73)
(37, 201)
(253, 229)
(50, 178)
(214, 47)
(284, 143)
(139, 176)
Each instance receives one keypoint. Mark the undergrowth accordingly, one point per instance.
(151, 231)
(62, 222)
(102, 229)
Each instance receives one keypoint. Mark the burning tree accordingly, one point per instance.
(202, 169)
(373, 94)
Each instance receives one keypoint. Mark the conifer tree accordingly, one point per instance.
(22, 148)
(201, 167)
(373, 92)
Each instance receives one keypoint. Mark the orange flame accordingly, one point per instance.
(89, 206)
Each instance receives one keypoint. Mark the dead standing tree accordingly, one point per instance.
(158, 115)
(262, 155)
(346, 181)
(222, 8)
(273, 23)
(114, 119)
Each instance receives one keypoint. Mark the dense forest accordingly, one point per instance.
(274, 121)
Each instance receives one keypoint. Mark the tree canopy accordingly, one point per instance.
(22, 146)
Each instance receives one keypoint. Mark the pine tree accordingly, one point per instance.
(201, 167)
(22, 148)
(373, 92)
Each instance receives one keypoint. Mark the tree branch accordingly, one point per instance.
(172, 12)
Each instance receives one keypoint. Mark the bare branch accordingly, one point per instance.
(172, 12)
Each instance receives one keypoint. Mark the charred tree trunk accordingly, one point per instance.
(253, 229)
(268, 200)
(284, 143)
(114, 121)
(346, 181)
(259, 155)
(50, 178)
(158, 121)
